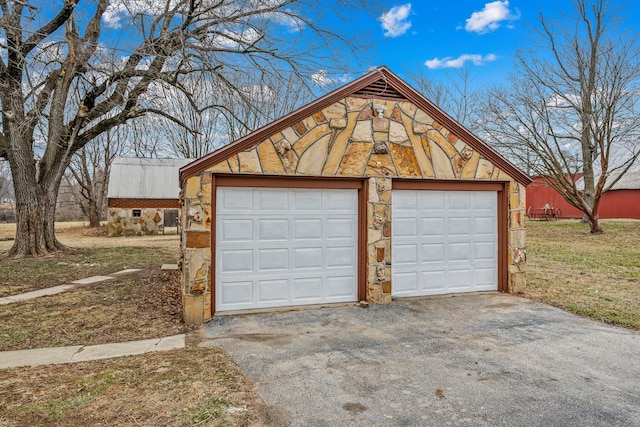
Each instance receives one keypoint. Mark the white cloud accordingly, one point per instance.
(234, 40)
(394, 22)
(289, 20)
(321, 78)
(489, 18)
(120, 10)
(460, 61)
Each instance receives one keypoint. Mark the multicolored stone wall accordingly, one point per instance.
(356, 137)
(121, 222)
(517, 256)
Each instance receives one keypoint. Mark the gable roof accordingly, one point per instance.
(379, 83)
(138, 178)
(619, 158)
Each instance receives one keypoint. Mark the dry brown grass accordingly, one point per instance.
(141, 306)
(90, 255)
(596, 276)
(189, 387)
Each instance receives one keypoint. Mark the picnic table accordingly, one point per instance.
(548, 213)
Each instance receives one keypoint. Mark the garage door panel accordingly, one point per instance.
(309, 288)
(273, 229)
(432, 226)
(339, 287)
(432, 252)
(484, 251)
(405, 227)
(484, 225)
(459, 252)
(406, 254)
(456, 242)
(307, 229)
(485, 276)
(241, 200)
(341, 228)
(459, 226)
(431, 203)
(237, 260)
(307, 258)
(340, 257)
(273, 290)
(307, 200)
(304, 254)
(460, 278)
(459, 200)
(272, 200)
(234, 230)
(237, 293)
(344, 201)
(432, 282)
(273, 259)
(405, 201)
(485, 201)
(405, 283)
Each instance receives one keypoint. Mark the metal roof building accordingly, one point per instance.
(140, 178)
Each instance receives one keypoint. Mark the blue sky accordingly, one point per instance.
(439, 36)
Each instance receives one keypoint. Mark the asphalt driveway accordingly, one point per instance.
(482, 359)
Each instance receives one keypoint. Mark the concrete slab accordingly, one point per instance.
(126, 271)
(169, 343)
(131, 348)
(58, 355)
(481, 360)
(91, 280)
(169, 267)
(107, 351)
(37, 357)
(35, 294)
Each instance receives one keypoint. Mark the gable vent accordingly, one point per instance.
(380, 89)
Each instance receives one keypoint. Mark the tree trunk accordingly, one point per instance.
(30, 233)
(94, 214)
(35, 215)
(595, 226)
(35, 201)
(594, 221)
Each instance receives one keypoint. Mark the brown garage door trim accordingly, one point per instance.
(262, 181)
(502, 189)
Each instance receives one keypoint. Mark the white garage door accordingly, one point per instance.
(444, 242)
(285, 247)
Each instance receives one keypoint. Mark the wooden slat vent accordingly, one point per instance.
(380, 89)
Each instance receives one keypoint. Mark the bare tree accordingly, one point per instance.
(459, 96)
(63, 82)
(263, 100)
(88, 173)
(255, 101)
(572, 100)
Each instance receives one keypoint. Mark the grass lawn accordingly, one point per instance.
(596, 276)
(91, 255)
(187, 387)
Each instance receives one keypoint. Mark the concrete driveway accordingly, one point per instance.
(483, 359)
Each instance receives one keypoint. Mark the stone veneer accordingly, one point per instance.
(350, 138)
(120, 222)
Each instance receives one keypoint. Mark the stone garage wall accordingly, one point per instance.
(357, 137)
(120, 222)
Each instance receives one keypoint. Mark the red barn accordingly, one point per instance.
(622, 201)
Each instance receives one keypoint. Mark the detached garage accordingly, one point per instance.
(368, 193)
